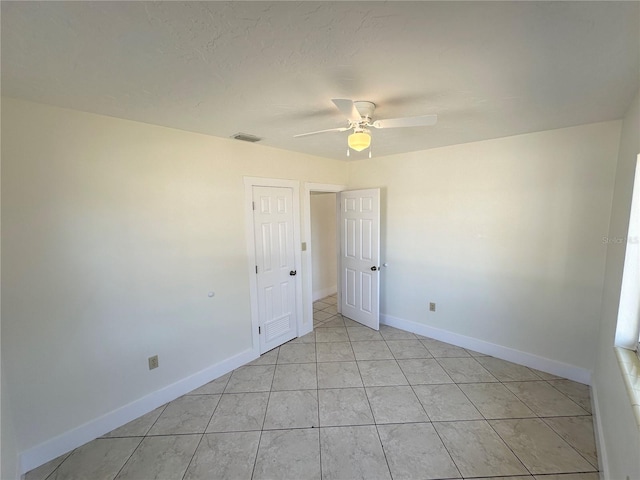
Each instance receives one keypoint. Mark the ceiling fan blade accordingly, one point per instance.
(421, 121)
(341, 129)
(347, 108)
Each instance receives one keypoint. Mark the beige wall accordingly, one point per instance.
(113, 233)
(618, 424)
(323, 244)
(504, 235)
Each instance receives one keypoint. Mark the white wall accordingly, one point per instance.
(113, 234)
(504, 235)
(323, 244)
(619, 430)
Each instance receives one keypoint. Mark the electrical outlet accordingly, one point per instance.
(153, 362)
(432, 307)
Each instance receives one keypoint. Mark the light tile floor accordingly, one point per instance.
(346, 402)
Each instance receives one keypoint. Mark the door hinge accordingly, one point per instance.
(253, 205)
(256, 268)
(259, 330)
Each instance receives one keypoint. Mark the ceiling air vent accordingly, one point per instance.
(245, 137)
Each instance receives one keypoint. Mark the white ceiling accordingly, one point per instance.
(488, 69)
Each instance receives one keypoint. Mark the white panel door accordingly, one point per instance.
(275, 269)
(360, 256)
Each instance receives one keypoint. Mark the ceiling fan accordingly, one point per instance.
(359, 114)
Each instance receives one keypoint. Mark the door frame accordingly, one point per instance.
(307, 272)
(249, 183)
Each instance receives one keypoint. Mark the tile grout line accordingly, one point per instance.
(129, 457)
(375, 422)
(206, 427)
(424, 409)
(255, 460)
(55, 469)
(315, 345)
(571, 399)
(485, 419)
(196, 449)
(597, 467)
(509, 447)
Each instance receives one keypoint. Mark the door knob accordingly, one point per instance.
(374, 268)
(293, 272)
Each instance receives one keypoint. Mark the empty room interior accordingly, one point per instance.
(333, 240)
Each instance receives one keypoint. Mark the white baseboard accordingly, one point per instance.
(67, 441)
(325, 292)
(554, 367)
(603, 462)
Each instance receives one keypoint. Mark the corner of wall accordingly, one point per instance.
(617, 436)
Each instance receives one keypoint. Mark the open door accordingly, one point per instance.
(360, 256)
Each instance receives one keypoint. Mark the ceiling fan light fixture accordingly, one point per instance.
(360, 117)
(359, 141)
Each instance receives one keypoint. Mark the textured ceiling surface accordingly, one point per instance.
(488, 69)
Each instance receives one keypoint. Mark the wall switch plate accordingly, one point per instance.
(153, 362)
(432, 307)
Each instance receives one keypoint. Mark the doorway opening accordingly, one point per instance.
(358, 250)
(326, 278)
(324, 255)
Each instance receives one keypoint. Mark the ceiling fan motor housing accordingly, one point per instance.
(365, 109)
